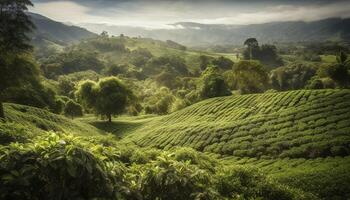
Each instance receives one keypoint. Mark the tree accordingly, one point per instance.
(14, 26)
(167, 79)
(339, 71)
(251, 43)
(107, 97)
(223, 63)
(293, 76)
(251, 77)
(73, 109)
(212, 84)
(104, 34)
(204, 61)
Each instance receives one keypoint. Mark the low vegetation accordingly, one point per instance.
(118, 117)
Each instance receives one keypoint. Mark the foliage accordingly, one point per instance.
(67, 83)
(107, 97)
(21, 83)
(140, 56)
(70, 62)
(333, 74)
(251, 77)
(212, 84)
(73, 109)
(115, 70)
(266, 54)
(15, 24)
(293, 76)
(223, 63)
(54, 168)
(167, 79)
(174, 64)
(67, 167)
(160, 102)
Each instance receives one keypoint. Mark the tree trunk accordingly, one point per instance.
(109, 118)
(250, 53)
(2, 114)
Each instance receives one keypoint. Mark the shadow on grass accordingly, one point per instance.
(117, 128)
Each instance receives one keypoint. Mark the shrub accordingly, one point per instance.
(73, 109)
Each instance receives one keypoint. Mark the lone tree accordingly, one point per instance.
(14, 26)
(107, 97)
(251, 43)
(73, 109)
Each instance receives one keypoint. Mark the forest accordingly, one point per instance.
(88, 115)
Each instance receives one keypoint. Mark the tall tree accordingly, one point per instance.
(251, 43)
(14, 26)
(107, 97)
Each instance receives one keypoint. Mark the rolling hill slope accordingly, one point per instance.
(40, 121)
(294, 124)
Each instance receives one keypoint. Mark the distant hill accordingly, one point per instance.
(195, 34)
(56, 32)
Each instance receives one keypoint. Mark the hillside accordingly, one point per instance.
(294, 124)
(48, 30)
(39, 121)
(195, 34)
(299, 138)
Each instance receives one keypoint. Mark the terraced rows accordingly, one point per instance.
(294, 124)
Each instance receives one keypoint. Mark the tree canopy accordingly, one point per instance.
(251, 77)
(107, 97)
(14, 26)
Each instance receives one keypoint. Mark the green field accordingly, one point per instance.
(295, 124)
(299, 138)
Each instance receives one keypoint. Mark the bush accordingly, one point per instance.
(53, 168)
(248, 183)
(212, 84)
(66, 167)
(73, 109)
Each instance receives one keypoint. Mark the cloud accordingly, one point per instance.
(159, 13)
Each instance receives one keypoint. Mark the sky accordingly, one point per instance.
(155, 14)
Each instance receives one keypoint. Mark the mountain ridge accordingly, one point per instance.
(196, 34)
(56, 32)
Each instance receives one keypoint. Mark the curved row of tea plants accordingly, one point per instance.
(294, 124)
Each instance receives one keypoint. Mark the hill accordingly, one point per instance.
(300, 138)
(48, 30)
(39, 121)
(294, 124)
(196, 34)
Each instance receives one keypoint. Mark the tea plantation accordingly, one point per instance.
(295, 124)
(286, 145)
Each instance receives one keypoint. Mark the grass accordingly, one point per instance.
(120, 126)
(329, 58)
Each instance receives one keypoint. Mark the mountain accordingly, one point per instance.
(195, 34)
(56, 32)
